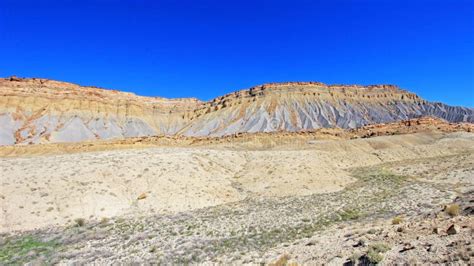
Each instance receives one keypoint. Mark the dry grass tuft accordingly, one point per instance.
(453, 210)
(397, 220)
(283, 261)
(80, 222)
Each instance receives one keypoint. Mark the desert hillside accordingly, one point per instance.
(296, 106)
(41, 110)
(257, 162)
(279, 174)
(399, 192)
(44, 111)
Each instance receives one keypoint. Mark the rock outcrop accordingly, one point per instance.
(41, 111)
(297, 106)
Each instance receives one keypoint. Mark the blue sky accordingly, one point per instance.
(207, 48)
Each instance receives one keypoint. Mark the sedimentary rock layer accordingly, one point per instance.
(300, 106)
(41, 111)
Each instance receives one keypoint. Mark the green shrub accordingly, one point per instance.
(350, 214)
(374, 257)
(21, 250)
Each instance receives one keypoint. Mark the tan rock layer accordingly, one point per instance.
(41, 110)
(373, 93)
(34, 93)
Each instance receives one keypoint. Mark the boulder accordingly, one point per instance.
(453, 229)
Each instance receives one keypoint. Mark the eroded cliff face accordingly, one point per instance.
(40, 110)
(296, 106)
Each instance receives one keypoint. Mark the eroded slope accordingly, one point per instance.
(296, 106)
(42, 111)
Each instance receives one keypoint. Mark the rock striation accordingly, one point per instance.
(41, 111)
(296, 106)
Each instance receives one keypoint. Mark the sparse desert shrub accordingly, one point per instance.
(397, 220)
(13, 251)
(104, 220)
(349, 214)
(379, 247)
(374, 257)
(372, 231)
(354, 258)
(452, 210)
(375, 253)
(281, 261)
(80, 222)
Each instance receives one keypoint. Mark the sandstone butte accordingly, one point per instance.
(34, 110)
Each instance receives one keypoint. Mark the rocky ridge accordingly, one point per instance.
(42, 111)
(296, 106)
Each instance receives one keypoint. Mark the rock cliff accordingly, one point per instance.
(296, 106)
(40, 111)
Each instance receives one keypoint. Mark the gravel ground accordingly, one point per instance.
(282, 229)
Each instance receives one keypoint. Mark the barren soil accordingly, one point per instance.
(379, 199)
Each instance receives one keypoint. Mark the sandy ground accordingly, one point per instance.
(40, 191)
(55, 190)
(320, 202)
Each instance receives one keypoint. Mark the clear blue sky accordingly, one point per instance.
(208, 48)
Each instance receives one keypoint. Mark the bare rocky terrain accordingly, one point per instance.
(297, 173)
(380, 199)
